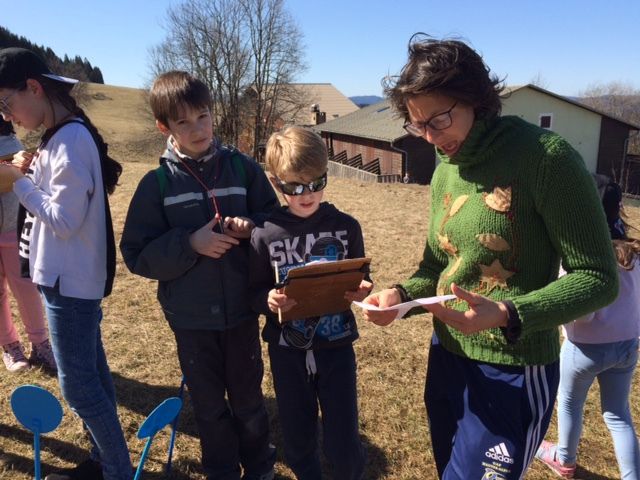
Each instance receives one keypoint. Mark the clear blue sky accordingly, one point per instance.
(569, 44)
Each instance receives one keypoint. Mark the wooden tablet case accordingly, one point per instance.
(319, 288)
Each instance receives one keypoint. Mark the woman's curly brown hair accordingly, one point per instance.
(448, 67)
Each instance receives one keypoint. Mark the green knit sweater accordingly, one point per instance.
(514, 202)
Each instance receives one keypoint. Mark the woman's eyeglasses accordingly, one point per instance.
(4, 103)
(294, 188)
(439, 121)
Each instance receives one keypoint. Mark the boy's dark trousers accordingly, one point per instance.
(214, 362)
(298, 395)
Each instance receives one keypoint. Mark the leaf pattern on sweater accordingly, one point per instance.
(495, 275)
(457, 204)
(446, 245)
(446, 200)
(499, 199)
(454, 268)
(493, 241)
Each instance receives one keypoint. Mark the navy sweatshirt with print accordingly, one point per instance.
(291, 241)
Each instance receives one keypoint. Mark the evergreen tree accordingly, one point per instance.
(77, 67)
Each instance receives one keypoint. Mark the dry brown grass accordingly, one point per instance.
(141, 350)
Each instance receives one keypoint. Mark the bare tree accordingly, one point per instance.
(275, 45)
(205, 38)
(234, 46)
(539, 81)
(620, 100)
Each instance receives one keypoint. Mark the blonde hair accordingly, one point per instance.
(626, 252)
(296, 150)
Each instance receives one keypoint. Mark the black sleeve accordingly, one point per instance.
(261, 274)
(261, 199)
(356, 245)
(149, 246)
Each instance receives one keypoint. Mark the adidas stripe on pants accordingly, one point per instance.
(486, 420)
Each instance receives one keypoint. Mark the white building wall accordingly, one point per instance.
(580, 127)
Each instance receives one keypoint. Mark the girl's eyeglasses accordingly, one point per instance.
(4, 103)
(294, 188)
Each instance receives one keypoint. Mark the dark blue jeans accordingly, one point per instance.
(298, 395)
(233, 432)
(85, 379)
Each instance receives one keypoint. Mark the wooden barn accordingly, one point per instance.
(372, 137)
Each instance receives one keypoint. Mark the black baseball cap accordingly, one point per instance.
(19, 64)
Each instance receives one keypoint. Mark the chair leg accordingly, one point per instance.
(143, 458)
(36, 454)
(174, 427)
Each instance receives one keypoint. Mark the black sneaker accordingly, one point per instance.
(87, 470)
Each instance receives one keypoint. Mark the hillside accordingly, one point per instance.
(364, 100)
(142, 356)
(125, 121)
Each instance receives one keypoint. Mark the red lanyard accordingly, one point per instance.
(217, 216)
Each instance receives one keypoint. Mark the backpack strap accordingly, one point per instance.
(161, 175)
(50, 132)
(238, 165)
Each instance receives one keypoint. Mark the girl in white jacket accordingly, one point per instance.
(67, 244)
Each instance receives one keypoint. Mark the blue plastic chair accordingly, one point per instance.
(174, 427)
(161, 416)
(39, 412)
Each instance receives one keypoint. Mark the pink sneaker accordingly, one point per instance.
(547, 454)
(14, 358)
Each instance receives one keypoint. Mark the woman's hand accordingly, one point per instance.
(383, 299)
(482, 314)
(8, 175)
(238, 227)
(358, 295)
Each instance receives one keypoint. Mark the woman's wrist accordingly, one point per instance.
(402, 292)
(513, 328)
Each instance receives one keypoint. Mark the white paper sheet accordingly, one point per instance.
(403, 308)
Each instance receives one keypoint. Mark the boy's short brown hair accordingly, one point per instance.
(173, 91)
(298, 151)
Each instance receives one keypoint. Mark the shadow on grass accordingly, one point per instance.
(65, 450)
(376, 463)
(584, 474)
(142, 398)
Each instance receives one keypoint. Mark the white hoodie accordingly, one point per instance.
(65, 194)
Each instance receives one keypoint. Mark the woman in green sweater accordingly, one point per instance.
(510, 202)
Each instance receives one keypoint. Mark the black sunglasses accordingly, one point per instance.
(294, 188)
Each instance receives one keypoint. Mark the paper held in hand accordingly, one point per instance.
(403, 308)
(319, 287)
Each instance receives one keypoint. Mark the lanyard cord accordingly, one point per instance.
(217, 216)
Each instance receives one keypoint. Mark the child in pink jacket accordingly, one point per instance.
(24, 291)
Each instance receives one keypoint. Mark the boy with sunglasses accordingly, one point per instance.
(312, 359)
(188, 227)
